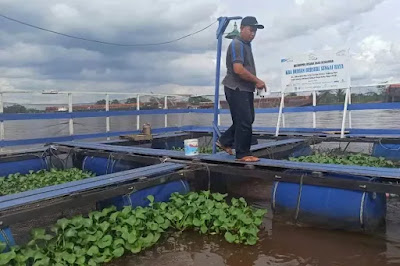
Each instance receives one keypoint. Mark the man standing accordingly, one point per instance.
(240, 83)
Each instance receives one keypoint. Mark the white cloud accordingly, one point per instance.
(63, 11)
(377, 59)
(312, 15)
(32, 59)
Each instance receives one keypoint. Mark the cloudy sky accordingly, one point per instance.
(31, 59)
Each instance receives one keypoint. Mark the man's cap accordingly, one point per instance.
(251, 21)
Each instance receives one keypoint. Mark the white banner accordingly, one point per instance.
(325, 70)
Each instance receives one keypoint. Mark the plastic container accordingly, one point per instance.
(191, 147)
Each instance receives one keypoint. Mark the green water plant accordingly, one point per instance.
(349, 159)
(15, 183)
(108, 234)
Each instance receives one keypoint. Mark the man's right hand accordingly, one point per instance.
(260, 84)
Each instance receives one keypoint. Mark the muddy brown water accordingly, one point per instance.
(280, 244)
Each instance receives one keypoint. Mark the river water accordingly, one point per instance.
(15, 130)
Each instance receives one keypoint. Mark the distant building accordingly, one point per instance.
(393, 93)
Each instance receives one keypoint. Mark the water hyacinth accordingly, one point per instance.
(15, 183)
(350, 159)
(108, 234)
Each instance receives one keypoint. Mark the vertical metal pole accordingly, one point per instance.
(217, 74)
(2, 134)
(219, 115)
(346, 102)
(350, 123)
(280, 114)
(138, 108)
(283, 115)
(107, 118)
(71, 120)
(166, 115)
(314, 117)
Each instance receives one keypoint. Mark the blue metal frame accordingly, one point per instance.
(302, 109)
(214, 129)
(223, 23)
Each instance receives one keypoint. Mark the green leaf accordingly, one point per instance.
(71, 233)
(156, 237)
(42, 262)
(218, 196)
(91, 238)
(38, 233)
(70, 258)
(5, 258)
(126, 210)
(203, 229)
(105, 241)
(148, 239)
(178, 214)
(87, 223)
(78, 222)
(251, 240)
(69, 245)
(166, 224)
(152, 226)
(159, 220)
(196, 222)
(3, 246)
(230, 237)
(113, 217)
(107, 211)
(93, 250)
(136, 248)
(80, 260)
(209, 204)
(243, 201)
(150, 198)
(118, 252)
(131, 220)
(63, 223)
(104, 226)
(118, 242)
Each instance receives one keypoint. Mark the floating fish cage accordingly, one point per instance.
(319, 194)
(316, 205)
(110, 179)
(332, 207)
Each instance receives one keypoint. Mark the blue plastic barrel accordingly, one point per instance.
(330, 207)
(103, 166)
(22, 165)
(6, 237)
(386, 150)
(139, 198)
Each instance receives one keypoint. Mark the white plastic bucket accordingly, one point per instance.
(191, 147)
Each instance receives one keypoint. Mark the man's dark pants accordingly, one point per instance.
(241, 105)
